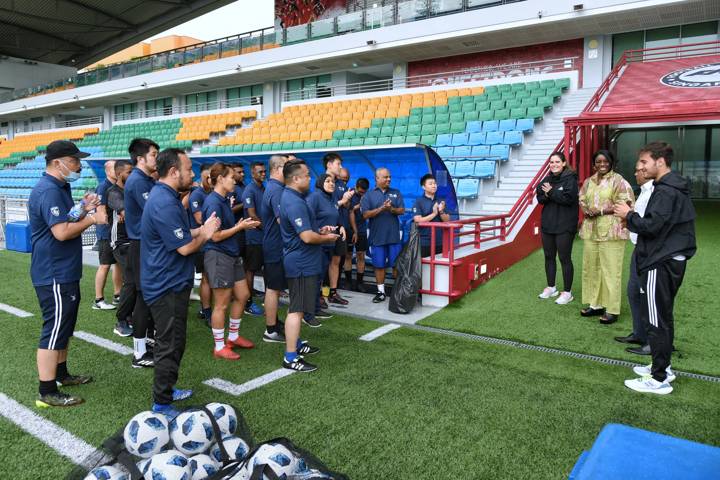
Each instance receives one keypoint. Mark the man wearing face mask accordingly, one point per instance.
(56, 267)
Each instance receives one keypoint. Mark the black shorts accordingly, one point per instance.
(59, 303)
(362, 243)
(223, 270)
(199, 261)
(120, 254)
(133, 264)
(303, 293)
(253, 258)
(275, 276)
(105, 253)
(341, 248)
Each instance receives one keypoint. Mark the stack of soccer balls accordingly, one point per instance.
(186, 448)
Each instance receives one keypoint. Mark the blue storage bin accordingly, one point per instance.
(17, 236)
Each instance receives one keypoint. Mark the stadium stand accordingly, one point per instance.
(200, 128)
(18, 182)
(14, 151)
(113, 143)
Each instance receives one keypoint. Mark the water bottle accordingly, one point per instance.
(76, 211)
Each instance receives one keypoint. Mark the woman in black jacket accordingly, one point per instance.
(558, 193)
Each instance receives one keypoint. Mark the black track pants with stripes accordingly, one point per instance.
(659, 287)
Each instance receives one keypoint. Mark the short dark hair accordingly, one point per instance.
(256, 164)
(238, 165)
(425, 178)
(139, 147)
(205, 166)
(659, 150)
(291, 168)
(330, 157)
(363, 183)
(120, 165)
(167, 159)
(607, 154)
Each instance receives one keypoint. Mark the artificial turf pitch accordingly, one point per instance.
(409, 405)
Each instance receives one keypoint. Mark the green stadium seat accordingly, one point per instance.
(400, 130)
(371, 141)
(562, 83)
(309, 144)
(428, 139)
(470, 116)
(414, 129)
(361, 133)
(480, 106)
(520, 94)
(266, 147)
(416, 111)
(249, 147)
(481, 98)
(397, 140)
(332, 143)
(545, 102)
(384, 140)
(456, 127)
(503, 114)
(374, 132)
(518, 87)
(467, 99)
(338, 134)
(497, 105)
(528, 102)
(349, 133)
(505, 87)
(376, 123)
(540, 92)
(457, 117)
(428, 118)
(507, 96)
(287, 145)
(357, 142)
(442, 118)
(516, 113)
(345, 142)
(389, 122)
(491, 89)
(428, 129)
(277, 146)
(555, 92)
(412, 139)
(547, 84)
(485, 115)
(203, 150)
(321, 144)
(298, 145)
(494, 96)
(532, 85)
(442, 128)
(415, 120)
(428, 111)
(514, 103)
(387, 131)
(468, 107)
(455, 108)
(442, 109)
(400, 121)
(454, 100)
(536, 112)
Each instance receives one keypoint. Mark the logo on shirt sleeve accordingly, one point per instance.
(248, 200)
(146, 195)
(55, 211)
(179, 233)
(298, 222)
(195, 204)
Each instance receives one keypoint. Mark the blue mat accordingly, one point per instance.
(621, 452)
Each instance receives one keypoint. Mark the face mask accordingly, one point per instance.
(71, 176)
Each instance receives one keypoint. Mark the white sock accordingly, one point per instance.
(139, 347)
(381, 288)
(233, 330)
(219, 336)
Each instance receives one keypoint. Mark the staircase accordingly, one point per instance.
(516, 175)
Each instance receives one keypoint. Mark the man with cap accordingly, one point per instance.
(56, 226)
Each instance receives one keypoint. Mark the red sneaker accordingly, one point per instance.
(241, 342)
(226, 353)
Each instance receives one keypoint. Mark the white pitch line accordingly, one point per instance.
(379, 332)
(235, 389)
(15, 311)
(63, 442)
(104, 343)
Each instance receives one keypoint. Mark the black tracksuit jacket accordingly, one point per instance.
(561, 205)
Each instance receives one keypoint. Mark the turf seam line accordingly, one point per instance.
(103, 343)
(379, 332)
(556, 351)
(66, 444)
(15, 311)
(236, 390)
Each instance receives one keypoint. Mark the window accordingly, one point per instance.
(158, 107)
(242, 96)
(700, 32)
(199, 102)
(627, 41)
(125, 111)
(665, 37)
(309, 87)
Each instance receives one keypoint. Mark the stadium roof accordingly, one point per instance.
(79, 32)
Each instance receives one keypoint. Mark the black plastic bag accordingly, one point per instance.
(409, 275)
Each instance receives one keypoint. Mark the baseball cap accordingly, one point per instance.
(63, 148)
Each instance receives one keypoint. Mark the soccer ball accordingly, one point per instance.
(146, 434)
(225, 416)
(236, 447)
(107, 472)
(142, 465)
(281, 460)
(192, 432)
(202, 466)
(170, 465)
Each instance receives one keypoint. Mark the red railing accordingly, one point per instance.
(454, 232)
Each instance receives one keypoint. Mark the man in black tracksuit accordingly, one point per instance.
(666, 240)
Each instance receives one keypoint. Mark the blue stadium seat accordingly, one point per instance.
(501, 152)
(507, 125)
(494, 138)
(480, 151)
(455, 183)
(477, 138)
(445, 151)
(463, 151)
(459, 139)
(484, 169)
(525, 124)
(473, 127)
(468, 188)
(490, 126)
(450, 165)
(513, 138)
(464, 168)
(444, 140)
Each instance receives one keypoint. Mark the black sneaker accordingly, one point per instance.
(146, 361)
(307, 349)
(122, 329)
(323, 314)
(150, 343)
(336, 298)
(71, 380)
(275, 336)
(116, 300)
(299, 365)
(311, 321)
(57, 399)
(379, 297)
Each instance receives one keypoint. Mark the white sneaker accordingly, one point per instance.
(102, 305)
(645, 370)
(194, 296)
(549, 292)
(647, 384)
(564, 298)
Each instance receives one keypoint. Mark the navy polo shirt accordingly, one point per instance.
(385, 227)
(340, 189)
(220, 205)
(137, 191)
(165, 228)
(102, 232)
(197, 198)
(252, 198)
(272, 238)
(52, 261)
(299, 258)
(360, 222)
(424, 206)
(236, 197)
(325, 209)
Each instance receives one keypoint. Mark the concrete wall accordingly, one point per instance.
(16, 73)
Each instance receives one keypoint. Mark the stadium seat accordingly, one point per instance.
(545, 102)
(371, 141)
(536, 112)
(490, 126)
(486, 115)
(494, 138)
(414, 129)
(484, 169)
(467, 188)
(525, 124)
(518, 86)
(387, 131)
(428, 139)
(562, 83)
(398, 139)
(462, 151)
(528, 102)
(450, 165)
(517, 113)
(502, 114)
(345, 142)
(428, 129)
(477, 138)
(481, 106)
(506, 125)
(471, 116)
(459, 139)
(349, 133)
(428, 118)
(501, 152)
(382, 141)
(547, 84)
(400, 130)
(513, 138)
(389, 122)
(457, 127)
(445, 151)
(480, 151)
(497, 105)
(473, 127)
(464, 168)
(443, 140)
(442, 118)
(357, 142)
(514, 103)
(374, 132)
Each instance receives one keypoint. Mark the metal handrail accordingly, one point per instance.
(79, 122)
(191, 108)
